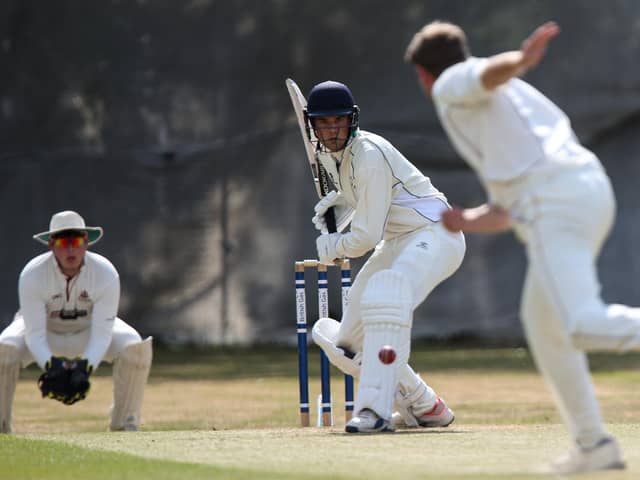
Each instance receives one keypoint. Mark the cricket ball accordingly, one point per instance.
(387, 354)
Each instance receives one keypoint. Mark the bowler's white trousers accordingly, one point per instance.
(425, 258)
(563, 216)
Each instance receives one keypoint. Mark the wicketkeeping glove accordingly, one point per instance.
(65, 380)
(78, 381)
(53, 383)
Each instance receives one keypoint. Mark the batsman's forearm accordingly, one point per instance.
(356, 243)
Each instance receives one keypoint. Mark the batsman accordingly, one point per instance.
(394, 210)
(68, 324)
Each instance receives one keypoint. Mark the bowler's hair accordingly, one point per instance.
(437, 46)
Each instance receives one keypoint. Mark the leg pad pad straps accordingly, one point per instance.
(386, 309)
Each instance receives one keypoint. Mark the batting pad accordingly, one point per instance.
(130, 373)
(386, 309)
(9, 371)
(324, 333)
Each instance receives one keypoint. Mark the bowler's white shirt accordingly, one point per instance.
(503, 133)
(389, 194)
(49, 301)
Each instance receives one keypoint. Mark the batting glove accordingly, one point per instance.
(332, 199)
(326, 245)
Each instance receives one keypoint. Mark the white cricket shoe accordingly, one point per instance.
(368, 421)
(605, 455)
(438, 416)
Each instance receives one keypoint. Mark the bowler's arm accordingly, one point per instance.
(505, 66)
(483, 219)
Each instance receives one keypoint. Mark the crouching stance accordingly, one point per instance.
(67, 324)
(395, 209)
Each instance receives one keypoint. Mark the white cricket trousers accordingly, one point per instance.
(69, 345)
(563, 218)
(425, 257)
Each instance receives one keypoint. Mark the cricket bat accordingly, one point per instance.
(320, 177)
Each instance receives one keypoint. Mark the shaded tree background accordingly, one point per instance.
(168, 124)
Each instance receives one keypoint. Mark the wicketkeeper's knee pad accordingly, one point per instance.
(324, 334)
(9, 371)
(386, 308)
(130, 373)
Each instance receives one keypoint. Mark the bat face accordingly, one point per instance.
(308, 137)
(320, 177)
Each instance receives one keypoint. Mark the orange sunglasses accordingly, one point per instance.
(66, 242)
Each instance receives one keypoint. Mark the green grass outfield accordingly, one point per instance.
(232, 414)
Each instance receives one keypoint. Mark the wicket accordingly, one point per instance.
(301, 323)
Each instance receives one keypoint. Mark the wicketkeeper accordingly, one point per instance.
(394, 209)
(67, 324)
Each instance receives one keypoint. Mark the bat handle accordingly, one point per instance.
(330, 218)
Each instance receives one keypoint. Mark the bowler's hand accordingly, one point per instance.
(535, 46)
(453, 220)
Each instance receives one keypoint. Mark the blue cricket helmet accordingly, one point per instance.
(330, 99)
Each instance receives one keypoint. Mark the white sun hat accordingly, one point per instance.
(68, 220)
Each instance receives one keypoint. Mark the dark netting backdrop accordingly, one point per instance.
(168, 123)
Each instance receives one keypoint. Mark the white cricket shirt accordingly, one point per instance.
(389, 194)
(503, 133)
(49, 301)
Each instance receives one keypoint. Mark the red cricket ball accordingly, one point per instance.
(387, 354)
